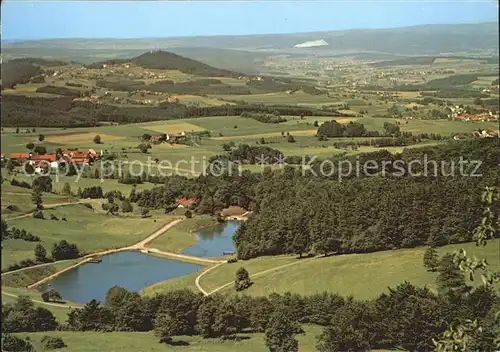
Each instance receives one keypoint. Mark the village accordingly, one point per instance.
(41, 162)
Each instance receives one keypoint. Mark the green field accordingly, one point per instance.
(347, 274)
(191, 159)
(91, 231)
(283, 98)
(21, 199)
(136, 341)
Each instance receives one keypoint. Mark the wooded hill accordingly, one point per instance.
(22, 111)
(163, 60)
(19, 71)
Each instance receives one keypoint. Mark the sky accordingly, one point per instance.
(46, 19)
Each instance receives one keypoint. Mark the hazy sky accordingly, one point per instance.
(115, 19)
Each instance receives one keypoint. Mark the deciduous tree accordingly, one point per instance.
(242, 280)
(431, 259)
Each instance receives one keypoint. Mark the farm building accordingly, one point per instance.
(186, 202)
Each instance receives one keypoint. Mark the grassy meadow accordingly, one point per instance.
(90, 230)
(191, 159)
(349, 274)
(136, 341)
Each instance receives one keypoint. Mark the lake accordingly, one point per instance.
(131, 270)
(212, 241)
(135, 270)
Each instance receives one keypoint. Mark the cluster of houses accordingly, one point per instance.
(42, 162)
(486, 117)
(479, 134)
(169, 137)
(459, 113)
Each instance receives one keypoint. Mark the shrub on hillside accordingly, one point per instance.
(38, 215)
(52, 343)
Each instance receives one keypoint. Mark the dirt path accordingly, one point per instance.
(138, 246)
(197, 281)
(157, 233)
(257, 274)
(185, 257)
(35, 266)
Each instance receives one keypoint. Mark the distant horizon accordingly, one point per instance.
(247, 35)
(47, 20)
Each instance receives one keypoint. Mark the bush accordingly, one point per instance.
(232, 260)
(22, 184)
(64, 250)
(38, 215)
(52, 343)
(188, 214)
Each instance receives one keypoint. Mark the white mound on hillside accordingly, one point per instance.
(311, 43)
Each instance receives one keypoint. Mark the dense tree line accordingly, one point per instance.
(405, 138)
(22, 316)
(455, 93)
(21, 111)
(406, 316)
(265, 118)
(331, 129)
(67, 92)
(451, 81)
(15, 233)
(198, 87)
(93, 192)
(22, 184)
(249, 154)
(18, 72)
(296, 214)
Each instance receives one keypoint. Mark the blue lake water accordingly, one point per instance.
(212, 241)
(135, 270)
(131, 270)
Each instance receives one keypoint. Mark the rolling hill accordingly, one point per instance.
(415, 40)
(164, 60)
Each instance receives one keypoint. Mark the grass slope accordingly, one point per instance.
(136, 341)
(89, 230)
(365, 276)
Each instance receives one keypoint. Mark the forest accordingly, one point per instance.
(313, 211)
(22, 111)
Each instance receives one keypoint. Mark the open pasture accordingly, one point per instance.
(297, 98)
(90, 230)
(190, 99)
(348, 274)
(146, 341)
(173, 126)
(72, 138)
